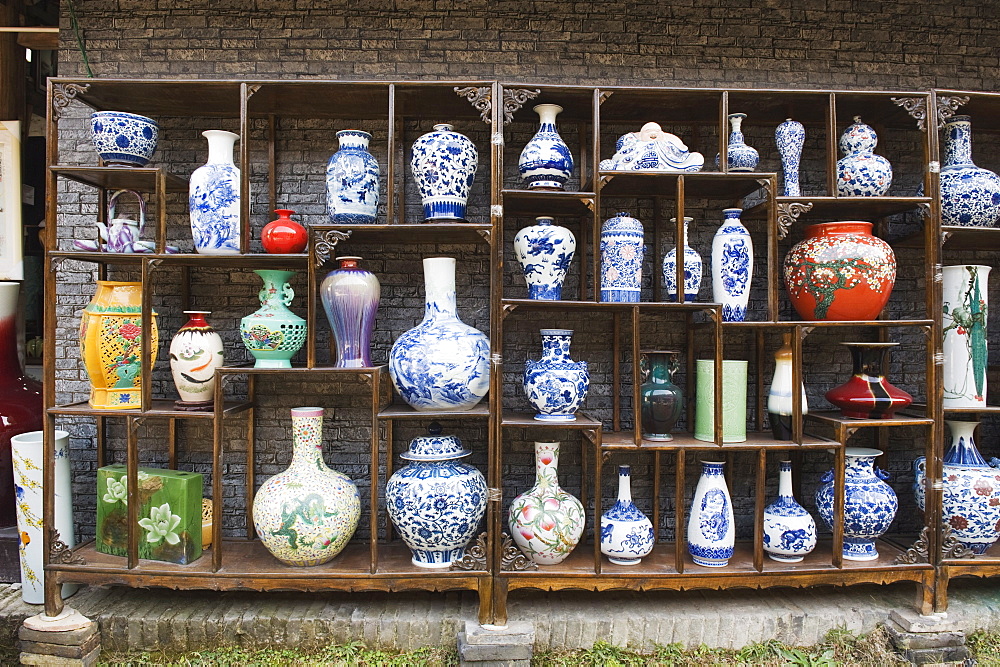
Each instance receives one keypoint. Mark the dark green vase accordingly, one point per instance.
(660, 400)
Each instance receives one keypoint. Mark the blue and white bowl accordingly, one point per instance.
(124, 139)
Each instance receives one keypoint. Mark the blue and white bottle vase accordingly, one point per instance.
(789, 530)
(711, 535)
(626, 533)
(545, 162)
(444, 164)
(739, 156)
(861, 173)
(544, 250)
(352, 181)
(692, 268)
(790, 136)
(622, 249)
(555, 384)
(732, 266)
(214, 198)
(970, 195)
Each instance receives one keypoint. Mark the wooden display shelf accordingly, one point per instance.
(825, 209)
(625, 441)
(850, 324)
(921, 409)
(403, 411)
(160, 97)
(296, 262)
(537, 304)
(698, 184)
(409, 233)
(527, 420)
(299, 368)
(142, 179)
(161, 408)
(543, 202)
(836, 420)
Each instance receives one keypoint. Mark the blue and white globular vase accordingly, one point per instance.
(861, 173)
(711, 534)
(555, 384)
(444, 164)
(350, 296)
(790, 136)
(436, 502)
(692, 268)
(869, 503)
(739, 156)
(622, 249)
(789, 530)
(352, 176)
(545, 162)
(214, 198)
(970, 195)
(732, 266)
(544, 251)
(124, 139)
(442, 363)
(626, 533)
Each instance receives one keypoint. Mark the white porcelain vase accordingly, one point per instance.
(544, 250)
(626, 533)
(789, 530)
(964, 318)
(711, 534)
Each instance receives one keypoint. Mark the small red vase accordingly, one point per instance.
(868, 395)
(284, 235)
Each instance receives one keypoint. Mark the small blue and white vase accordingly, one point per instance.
(124, 139)
(711, 534)
(732, 266)
(739, 156)
(444, 163)
(544, 251)
(626, 533)
(970, 195)
(622, 250)
(861, 173)
(545, 162)
(789, 530)
(214, 198)
(555, 384)
(692, 268)
(790, 137)
(352, 176)
(869, 503)
(436, 502)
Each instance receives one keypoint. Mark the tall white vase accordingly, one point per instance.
(711, 535)
(214, 198)
(732, 266)
(964, 302)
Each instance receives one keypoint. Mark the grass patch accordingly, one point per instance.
(354, 654)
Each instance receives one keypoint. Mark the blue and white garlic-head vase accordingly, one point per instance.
(544, 251)
(545, 162)
(692, 267)
(214, 198)
(711, 534)
(626, 533)
(732, 266)
(442, 363)
(861, 173)
(444, 163)
(739, 156)
(555, 384)
(352, 176)
(970, 195)
(789, 137)
(436, 502)
(789, 530)
(622, 250)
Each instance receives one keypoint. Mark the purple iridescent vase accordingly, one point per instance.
(350, 297)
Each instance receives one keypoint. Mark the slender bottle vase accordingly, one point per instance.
(692, 268)
(732, 266)
(789, 530)
(790, 136)
(626, 533)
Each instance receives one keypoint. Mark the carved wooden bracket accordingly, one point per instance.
(511, 558)
(475, 556)
(251, 89)
(59, 552)
(480, 98)
(918, 553)
(947, 106)
(514, 99)
(916, 107)
(951, 547)
(63, 94)
(327, 244)
(605, 94)
(789, 212)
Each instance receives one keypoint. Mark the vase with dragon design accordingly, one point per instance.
(273, 333)
(789, 530)
(544, 250)
(352, 181)
(195, 352)
(964, 305)
(545, 162)
(626, 533)
(970, 195)
(732, 266)
(711, 533)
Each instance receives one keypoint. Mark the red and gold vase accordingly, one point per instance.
(868, 395)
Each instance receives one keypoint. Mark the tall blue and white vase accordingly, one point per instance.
(970, 195)
(555, 384)
(544, 251)
(790, 137)
(545, 162)
(711, 534)
(861, 173)
(692, 268)
(739, 156)
(732, 266)
(436, 502)
(626, 533)
(214, 198)
(352, 176)
(442, 363)
(789, 530)
(622, 249)
(444, 163)
(869, 503)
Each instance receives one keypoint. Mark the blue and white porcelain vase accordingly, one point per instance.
(790, 137)
(692, 268)
(442, 363)
(214, 198)
(971, 486)
(352, 176)
(436, 502)
(622, 249)
(732, 266)
(789, 530)
(861, 173)
(444, 163)
(869, 503)
(124, 139)
(970, 195)
(739, 156)
(545, 162)
(711, 534)
(626, 533)
(555, 384)
(544, 251)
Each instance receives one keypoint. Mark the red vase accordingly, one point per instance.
(868, 395)
(284, 235)
(840, 272)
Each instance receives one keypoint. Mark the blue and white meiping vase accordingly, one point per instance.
(789, 530)
(789, 137)
(739, 156)
(214, 198)
(970, 195)
(711, 534)
(444, 163)
(732, 266)
(544, 251)
(555, 384)
(626, 533)
(436, 502)
(869, 503)
(352, 176)
(622, 250)
(861, 173)
(692, 267)
(442, 363)
(545, 162)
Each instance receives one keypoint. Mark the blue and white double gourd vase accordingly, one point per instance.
(692, 268)
(545, 162)
(622, 250)
(544, 251)
(789, 137)
(124, 139)
(555, 384)
(970, 195)
(711, 534)
(626, 533)
(352, 177)
(436, 502)
(732, 266)
(869, 503)
(444, 163)
(214, 198)
(739, 156)
(442, 363)
(861, 173)
(789, 530)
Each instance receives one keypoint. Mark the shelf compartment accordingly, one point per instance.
(249, 261)
(320, 99)
(403, 411)
(142, 179)
(709, 185)
(163, 97)
(527, 420)
(438, 232)
(542, 202)
(836, 420)
(300, 368)
(161, 408)
(537, 304)
(624, 441)
(783, 324)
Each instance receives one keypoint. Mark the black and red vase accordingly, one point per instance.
(868, 395)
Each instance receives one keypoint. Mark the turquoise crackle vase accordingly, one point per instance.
(274, 333)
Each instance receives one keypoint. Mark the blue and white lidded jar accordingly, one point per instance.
(622, 250)
(711, 535)
(352, 180)
(970, 195)
(790, 136)
(789, 530)
(861, 173)
(545, 162)
(739, 156)
(626, 533)
(544, 251)
(555, 384)
(732, 266)
(444, 163)
(692, 268)
(214, 198)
